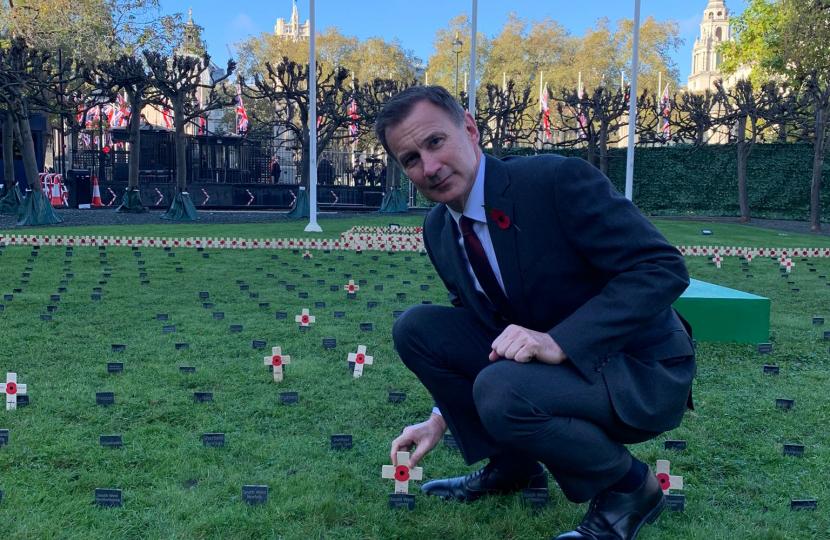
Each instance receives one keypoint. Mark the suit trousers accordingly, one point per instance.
(550, 413)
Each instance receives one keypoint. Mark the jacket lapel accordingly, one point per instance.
(505, 241)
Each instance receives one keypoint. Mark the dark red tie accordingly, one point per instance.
(481, 266)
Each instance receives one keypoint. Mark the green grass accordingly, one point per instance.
(738, 483)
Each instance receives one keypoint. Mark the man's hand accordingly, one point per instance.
(425, 436)
(523, 345)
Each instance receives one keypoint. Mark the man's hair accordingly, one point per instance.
(401, 105)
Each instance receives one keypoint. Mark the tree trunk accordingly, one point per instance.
(742, 155)
(603, 149)
(8, 152)
(819, 149)
(782, 132)
(305, 159)
(27, 148)
(181, 156)
(135, 140)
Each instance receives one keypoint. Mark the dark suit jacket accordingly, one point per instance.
(582, 263)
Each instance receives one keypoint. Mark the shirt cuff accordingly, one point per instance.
(436, 411)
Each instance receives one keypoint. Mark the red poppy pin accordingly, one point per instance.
(501, 219)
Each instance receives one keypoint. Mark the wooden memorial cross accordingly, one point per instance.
(277, 360)
(307, 255)
(667, 481)
(718, 260)
(305, 319)
(789, 264)
(402, 474)
(359, 360)
(351, 287)
(11, 389)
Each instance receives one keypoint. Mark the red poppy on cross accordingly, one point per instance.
(351, 287)
(789, 264)
(667, 481)
(402, 474)
(718, 260)
(11, 389)
(305, 319)
(277, 360)
(359, 359)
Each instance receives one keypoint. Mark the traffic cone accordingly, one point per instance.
(55, 197)
(96, 194)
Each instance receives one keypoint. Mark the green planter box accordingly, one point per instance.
(720, 314)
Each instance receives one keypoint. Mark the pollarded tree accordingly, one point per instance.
(177, 78)
(502, 115)
(695, 118)
(285, 85)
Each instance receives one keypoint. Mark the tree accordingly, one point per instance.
(502, 116)
(594, 119)
(177, 80)
(757, 42)
(286, 87)
(128, 74)
(442, 64)
(25, 75)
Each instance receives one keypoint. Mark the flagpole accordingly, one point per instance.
(632, 110)
(504, 82)
(541, 79)
(471, 92)
(312, 123)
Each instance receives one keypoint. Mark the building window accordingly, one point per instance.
(719, 34)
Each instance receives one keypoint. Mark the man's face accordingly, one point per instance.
(439, 157)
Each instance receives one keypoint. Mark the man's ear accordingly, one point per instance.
(471, 128)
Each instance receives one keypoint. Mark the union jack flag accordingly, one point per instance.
(353, 116)
(583, 118)
(241, 116)
(84, 140)
(202, 122)
(665, 106)
(165, 114)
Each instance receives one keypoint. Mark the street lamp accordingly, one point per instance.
(456, 48)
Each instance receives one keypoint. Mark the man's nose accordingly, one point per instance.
(431, 165)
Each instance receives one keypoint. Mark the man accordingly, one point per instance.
(276, 170)
(561, 346)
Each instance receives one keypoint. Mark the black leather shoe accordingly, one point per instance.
(620, 516)
(485, 481)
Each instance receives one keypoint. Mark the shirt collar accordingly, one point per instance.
(474, 208)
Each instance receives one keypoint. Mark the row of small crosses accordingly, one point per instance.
(753, 252)
(784, 261)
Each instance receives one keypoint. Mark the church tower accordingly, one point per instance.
(706, 59)
(292, 29)
(192, 43)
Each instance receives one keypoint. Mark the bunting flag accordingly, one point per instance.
(319, 121)
(202, 122)
(665, 107)
(241, 116)
(353, 124)
(543, 103)
(121, 116)
(84, 140)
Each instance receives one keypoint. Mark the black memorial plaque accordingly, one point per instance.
(397, 313)
(366, 327)
(319, 305)
(771, 370)
(187, 369)
(168, 329)
(676, 502)
(51, 309)
(329, 343)
(341, 442)
(258, 344)
(289, 397)
(202, 397)
(397, 397)
(22, 401)
(180, 346)
(119, 348)
(290, 288)
(115, 367)
(96, 296)
(46, 318)
(674, 445)
(371, 305)
(236, 328)
(765, 348)
(105, 399)
(401, 295)
(795, 450)
(282, 315)
(204, 295)
(803, 504)
(351, 295)
(264, 304)
(378, 287)
(207, 305)
(303, 295)
(218, 315)
(402, 500)
(535, 497)
(255, 495)
(783, 403)
(213, 439)
(339, 314)
(818, 320)
(449, 441)
(4, 436)
(111, 441)
(109, 498)
(162, 317)
(334, 288)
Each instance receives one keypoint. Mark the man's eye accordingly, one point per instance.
(436, 141)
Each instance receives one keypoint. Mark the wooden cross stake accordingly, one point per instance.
(277, 360)
(402, 474)
(667, 481)
(305, 319)
(11, 389)
(359, 360)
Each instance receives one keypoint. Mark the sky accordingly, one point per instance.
(414, 22)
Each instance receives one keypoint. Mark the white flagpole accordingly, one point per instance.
(579, 86)
(465, 79)
(472, 90)
(632, 110)
(541, 89)
(426, 81)
(312, 124)
(504, 81)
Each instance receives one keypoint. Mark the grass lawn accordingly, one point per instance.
(738, 484)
